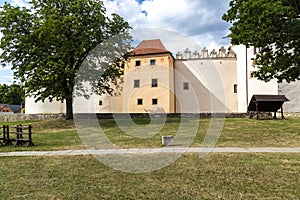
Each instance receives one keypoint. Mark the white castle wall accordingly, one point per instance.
(247, 85)
(212, 85)
(46, 107)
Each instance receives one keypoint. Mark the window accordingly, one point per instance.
(137, 63)
(154, 101)
(152, 62)
(139, 101)
(136, 84)
(186, 86)
(235, 88)
(100, 103)
(154, 82)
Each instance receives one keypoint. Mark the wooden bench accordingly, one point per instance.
(23, 135)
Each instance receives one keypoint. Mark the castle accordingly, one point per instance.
(156, 80)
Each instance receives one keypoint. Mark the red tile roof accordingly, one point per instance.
(149, 47)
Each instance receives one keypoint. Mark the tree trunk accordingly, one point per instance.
(69, 108)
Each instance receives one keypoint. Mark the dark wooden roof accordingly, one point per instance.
(266, 103)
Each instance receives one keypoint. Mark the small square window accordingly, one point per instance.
(100, 103)
(152, 62)
(154, 101)
(139, 101)
(235, 88)
(154, 82)
(137, 63)
(186, 86)
(136, 84)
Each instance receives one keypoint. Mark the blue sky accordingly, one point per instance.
(199, 20)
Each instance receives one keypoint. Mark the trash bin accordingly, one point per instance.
(167, 140)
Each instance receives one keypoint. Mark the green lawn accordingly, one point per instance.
(217, 176)
(60, 134)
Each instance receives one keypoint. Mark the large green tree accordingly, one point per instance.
(47, 43)
(273, 27)
(12, 94)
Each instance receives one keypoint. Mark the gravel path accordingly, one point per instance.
(150, 150)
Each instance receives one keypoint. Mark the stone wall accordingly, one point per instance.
(170, 115)
(292, 114)
(28, 117)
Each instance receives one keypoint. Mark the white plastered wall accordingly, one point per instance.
(247, 85)
(46, 107)
(212, 85)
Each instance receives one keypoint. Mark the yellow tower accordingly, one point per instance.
(149, 79)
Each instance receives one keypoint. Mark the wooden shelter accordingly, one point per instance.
(266, 103)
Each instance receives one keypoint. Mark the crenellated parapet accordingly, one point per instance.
(205, 54)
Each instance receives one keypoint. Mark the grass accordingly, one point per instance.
(260, 133)
(48, 135)
(61, 135)
(218, 176)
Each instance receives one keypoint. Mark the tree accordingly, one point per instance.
(4, 89)
(273, 27)
(12, 94)
(47, 44)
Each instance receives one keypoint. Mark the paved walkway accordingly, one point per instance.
(150, 150)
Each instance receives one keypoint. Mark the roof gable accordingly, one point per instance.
(149, 47)
(15, 108)
(10, 108)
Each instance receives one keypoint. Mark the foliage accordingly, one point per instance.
(48, 42)
(273, 27)
(12, 94)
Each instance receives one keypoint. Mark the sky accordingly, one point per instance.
(180, 24)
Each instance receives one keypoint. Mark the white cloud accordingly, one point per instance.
(172, 40)
(20, 3)
(198, 19)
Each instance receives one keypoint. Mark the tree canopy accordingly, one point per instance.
(47, 43)
(12, 94)
(272, 26)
